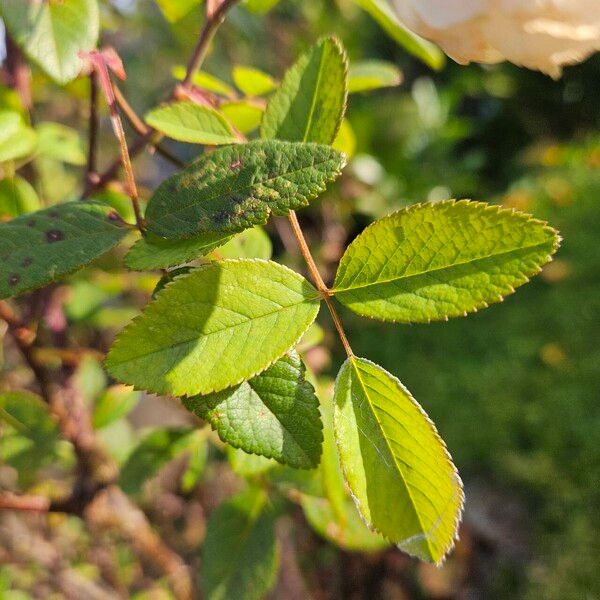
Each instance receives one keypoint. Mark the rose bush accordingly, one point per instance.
(539, 34)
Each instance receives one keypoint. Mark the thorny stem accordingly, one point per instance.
(109, 93)
(152, 136)
(316, 277)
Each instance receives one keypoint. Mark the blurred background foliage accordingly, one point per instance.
(514, 390)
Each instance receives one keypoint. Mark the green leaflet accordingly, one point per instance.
(59, 142)
(53, 33)
(250, 243)
(17, 139)
(249, 465)
(237, 187)
(240, 556)
(197, 451)
(28, 414)
(381, 12)
(335, 517)
(347, 532)
(37, 248)
(30, 435)
(220, 325)
(190, 122)
(434, 261)
(245, 115)
(175, 10)
(373, 74)
(333, 481)
(260, 6)
(252, 82)
(311, 101)
(152, 252)
(275, 414)
(17, 197)
(396, 465)
(206, 81)
(115, 403)
(153, 452)
(345, 140)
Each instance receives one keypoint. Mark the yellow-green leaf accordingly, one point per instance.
(435, 261)
(372, 75)
(311, 101)
(382, 12)
(220, 325)
(252, 82)
(190, 122)
(397, 467)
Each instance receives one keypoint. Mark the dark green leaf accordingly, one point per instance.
(153, 452)
(237, 187)
(275, 414)
(240, 554)
(40, 247)
(152, 252)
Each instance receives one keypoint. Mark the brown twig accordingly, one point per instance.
(10, 501)
(112, 509)
(19, 73)
(213, 20)
(318, 280)
(91, 167)
(99, 62)
(96, 468)
(153, 137)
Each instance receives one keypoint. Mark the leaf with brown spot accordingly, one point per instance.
(237, 187)
(40, 247)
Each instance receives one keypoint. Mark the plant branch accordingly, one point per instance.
(112, 509)
(213, 20)
(96, 467)
(94, 496)
(19, 73)
(318, 280)
(91, 167)
(10, 501)
(153, 137)
(99, 63)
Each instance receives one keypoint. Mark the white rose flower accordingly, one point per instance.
(538, 34)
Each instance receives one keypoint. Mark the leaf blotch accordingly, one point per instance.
(13, 279)
(27, 261)
(54, 235)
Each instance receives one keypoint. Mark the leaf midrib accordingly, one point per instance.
(351, 287)
(311, 113)
(398, 466)
(187, 341)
